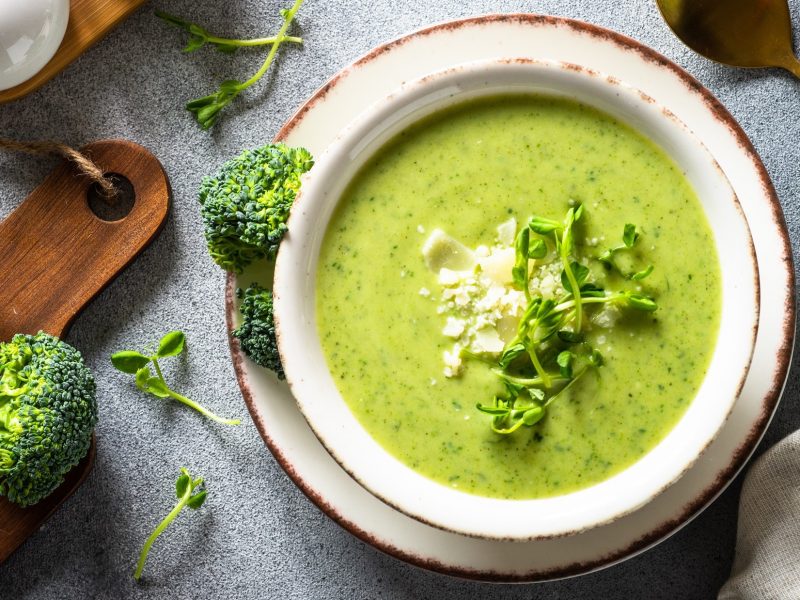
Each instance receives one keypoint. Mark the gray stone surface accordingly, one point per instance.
(258, 536)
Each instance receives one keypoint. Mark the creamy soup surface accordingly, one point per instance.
(465, 170)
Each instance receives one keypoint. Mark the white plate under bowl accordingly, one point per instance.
(317, 124)
(361, 455)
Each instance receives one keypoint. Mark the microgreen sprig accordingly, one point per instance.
(206, 109)
(549, 352)
(629, 238)
(185, 488)
(199, 37)
(138, 364)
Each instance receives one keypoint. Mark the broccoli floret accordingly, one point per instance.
(47, 413)
(246, 205)
(256, 334)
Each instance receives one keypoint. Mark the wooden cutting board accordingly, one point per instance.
(89, 21)
(56, 254)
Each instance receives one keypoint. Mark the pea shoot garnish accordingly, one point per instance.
(629, 238)
(185, 488)
(138, 364)
(550, 353)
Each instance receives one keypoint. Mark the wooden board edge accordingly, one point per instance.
(49, 505)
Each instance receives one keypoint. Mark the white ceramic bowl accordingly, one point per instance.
(30, 33)
(398, 485)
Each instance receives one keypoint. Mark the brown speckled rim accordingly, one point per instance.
(770, 399)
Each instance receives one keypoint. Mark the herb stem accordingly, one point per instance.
(545, 377)
(160, 529)
(573, 282)
(158, 370)
(592, 300)
(525, 381)
(189, 402)
(254, 42)
(199, 408)
(575, 378)
(287, 20)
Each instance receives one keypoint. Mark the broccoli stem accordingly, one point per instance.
(191, 403)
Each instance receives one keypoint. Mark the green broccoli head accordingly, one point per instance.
(246, 205)
(47, 413)
(256, 334)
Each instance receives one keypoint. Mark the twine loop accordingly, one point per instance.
(82, 163)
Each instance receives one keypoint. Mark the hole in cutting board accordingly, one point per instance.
(114, 209)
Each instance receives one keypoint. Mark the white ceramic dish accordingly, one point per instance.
(305, 460)
(398, 485)
(30, 33)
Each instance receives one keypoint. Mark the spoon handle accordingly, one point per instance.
(792, 64)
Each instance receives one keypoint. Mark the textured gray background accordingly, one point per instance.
(258, 536)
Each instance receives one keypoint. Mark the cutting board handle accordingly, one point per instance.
(56, 254)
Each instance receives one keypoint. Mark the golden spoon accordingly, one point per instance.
(740, 33)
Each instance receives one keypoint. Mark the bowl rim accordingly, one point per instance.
(364, 124)
(287, 436)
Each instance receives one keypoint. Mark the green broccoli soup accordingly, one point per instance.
(518, 296)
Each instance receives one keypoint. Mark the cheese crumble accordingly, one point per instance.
(481, 306)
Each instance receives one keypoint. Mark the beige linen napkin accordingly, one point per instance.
(767, 563)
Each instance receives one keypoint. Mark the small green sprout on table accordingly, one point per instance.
(185, 488)
(48, 411)
(206, 110)
(199, 37)
(138, 364)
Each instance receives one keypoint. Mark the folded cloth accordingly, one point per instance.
(767, 563)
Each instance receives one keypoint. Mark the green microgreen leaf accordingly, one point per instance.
(206, 110)
(590, 290)
(157, 387)
(197, 500)
(640, 302)
(129, 361)
(570, 337)
(511, 353)
(536, 249)
(532, 416)
(181, 484)
(596, 359)
(579, 272)
(171, 344)
(142, 377)
(543, 226)
(492, 410)
(564, 361)
(629, 235)
(638, 276)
